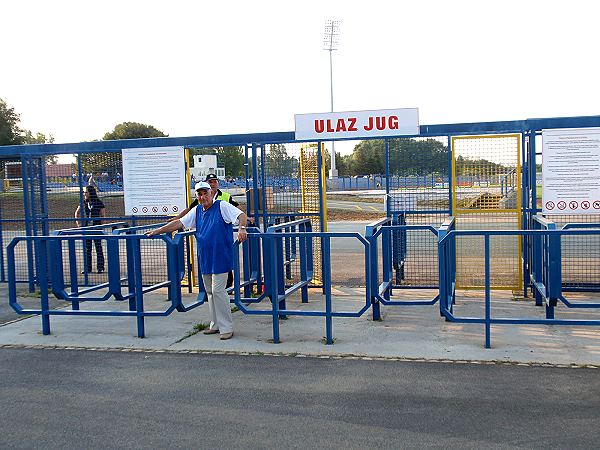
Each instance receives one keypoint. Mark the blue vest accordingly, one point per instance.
(214, 238)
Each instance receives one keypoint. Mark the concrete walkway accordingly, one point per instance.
(406, 332)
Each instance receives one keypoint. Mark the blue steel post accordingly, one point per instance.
(376, 306)
(246, 262)
(73, 274)
(131, 252)
(326, 240)
(537, 258)
(271, 282)
(386, 256)
(279, 264)
(487, 291)
(554, 274)
(442, 270)
(28, 231)
(139, 295)
(263, 160)
(42, 270)
(524, 197)
(288, 253)
(303, 262)
(43, 198)
(255, 249)
(321, 202)
(387, 178)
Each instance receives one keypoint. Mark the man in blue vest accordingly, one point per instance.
(214, 221)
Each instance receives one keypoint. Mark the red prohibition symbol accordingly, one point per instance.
(175, 208)
(144, 209)
(585, 204)
(597, 204)
(134, 209)
(549, 206)
(154, 209)
(573, 204)
(165, 209)
(561, 205)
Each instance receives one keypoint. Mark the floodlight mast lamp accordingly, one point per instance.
(330, 43)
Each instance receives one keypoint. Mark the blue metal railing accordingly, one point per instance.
(91, 230)
(381, 292)
(49, 258)
(274, 279)
(546, 282)
(281, 246)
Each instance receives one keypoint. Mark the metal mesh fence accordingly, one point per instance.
(289, 189)
(487, 195)
(418, 195)
(580, 254)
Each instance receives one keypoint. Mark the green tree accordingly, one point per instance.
(279, 163)
(39, 138)
(410, 157)
(10, 133)
(133, 130)
(232, 158)
(345, 165)
(111, 163)
(369, 157)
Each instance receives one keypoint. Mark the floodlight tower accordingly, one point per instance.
(330, 43)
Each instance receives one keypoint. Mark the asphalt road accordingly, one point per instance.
(96, 400)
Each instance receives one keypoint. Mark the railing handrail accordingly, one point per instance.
(293, 223)
(544, 221)
(79, 230)
(139, 227)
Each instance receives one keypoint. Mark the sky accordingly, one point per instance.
(75, 69)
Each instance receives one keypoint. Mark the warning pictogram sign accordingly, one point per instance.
(154, 209)
(597, 204)
(144, 209)
(585, 204)
(549, 206)
(561, 205)
(573, 204)
(165, 209)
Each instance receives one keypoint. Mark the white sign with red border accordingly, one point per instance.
(571, 171)
(357, 124)
(154, 180)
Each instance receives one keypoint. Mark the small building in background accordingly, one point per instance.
(205, 164)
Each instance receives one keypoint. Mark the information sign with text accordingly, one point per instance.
(357, 124)
(154, 180)
(571, 171)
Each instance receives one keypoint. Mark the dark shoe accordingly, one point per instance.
(100, 270)
(226, 336)
(210, 331)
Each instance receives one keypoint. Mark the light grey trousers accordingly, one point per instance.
(218, 302)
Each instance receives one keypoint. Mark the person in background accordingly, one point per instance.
(213, 221)
(94, 209)
(217, 194)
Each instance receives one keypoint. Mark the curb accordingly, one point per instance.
(302, 355)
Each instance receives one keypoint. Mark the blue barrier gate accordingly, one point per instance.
(281, 245)
(546, 278)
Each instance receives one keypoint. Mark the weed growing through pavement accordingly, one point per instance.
(195, 330)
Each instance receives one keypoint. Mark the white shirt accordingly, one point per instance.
(229, 213)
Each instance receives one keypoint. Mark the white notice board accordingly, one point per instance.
(571, 171)
(154, 180)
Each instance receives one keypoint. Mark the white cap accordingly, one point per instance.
(202, 185)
